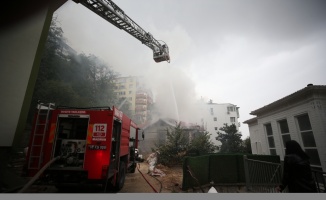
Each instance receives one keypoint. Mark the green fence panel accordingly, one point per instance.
(223, 169)
(200, 167)
(220, 168)
(241, 169)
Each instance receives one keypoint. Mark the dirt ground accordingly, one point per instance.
(170, 183)
(141, 182)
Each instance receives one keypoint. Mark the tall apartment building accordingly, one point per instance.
(137, 94)
(215, 115)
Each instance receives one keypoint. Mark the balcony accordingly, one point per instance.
(141, 96)
(140, 108)
(141, 102)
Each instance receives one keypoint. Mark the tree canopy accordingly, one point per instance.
(230, 139)
(179, 144)
(70, 79)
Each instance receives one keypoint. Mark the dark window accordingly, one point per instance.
(284, 126)
(286, 138)
(314, 157)
(308, 139)
(270, 138)
(304, 122)
(269, 130)
(284, 129)
(271, 142)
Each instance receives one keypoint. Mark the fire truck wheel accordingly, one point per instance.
(121, 176)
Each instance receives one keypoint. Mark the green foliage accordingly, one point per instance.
(230, 139)
(247, 145)
(177, 142)
(201, 144)
(70, 79)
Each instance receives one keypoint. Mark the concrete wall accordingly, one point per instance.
(19, 45)
(22, 38)
(221, 113)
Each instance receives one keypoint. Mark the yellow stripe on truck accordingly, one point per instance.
(51, 134)
(89, 134)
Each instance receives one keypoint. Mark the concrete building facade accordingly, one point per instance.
(215, 115)
(137, 94)
(300, 116)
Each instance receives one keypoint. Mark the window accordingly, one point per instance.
(284, 129)
(270, 138)
(215, 118)
(130, 92)
(212, 111)
(131, 85)
(232, 119)
(215, 128)
(308, 139)
(230, 108)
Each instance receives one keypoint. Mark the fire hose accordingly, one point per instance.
(138, 168)
(38, 174)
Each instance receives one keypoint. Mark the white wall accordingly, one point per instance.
(317, 116)
(221, 113)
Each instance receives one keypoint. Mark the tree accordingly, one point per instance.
(83, 80)
(175, 147)
(201, 144)
(230, 139)
(247, 145)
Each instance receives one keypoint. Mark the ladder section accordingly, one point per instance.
(113, 14)
(38, 135)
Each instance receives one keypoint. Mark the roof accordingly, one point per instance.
(171, 122)
(304, 93)
(251, 121)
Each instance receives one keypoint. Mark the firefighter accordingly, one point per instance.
(152, 161)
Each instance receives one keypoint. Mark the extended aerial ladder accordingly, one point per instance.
(109, 11)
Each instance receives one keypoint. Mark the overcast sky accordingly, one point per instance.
(246, 52)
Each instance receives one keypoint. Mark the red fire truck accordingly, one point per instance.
(89, 146)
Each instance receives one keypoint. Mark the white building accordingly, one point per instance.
(215, 115)
(300, 116)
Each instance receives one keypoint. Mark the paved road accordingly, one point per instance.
(136, 183)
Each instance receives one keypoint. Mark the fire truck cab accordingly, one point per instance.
(89, 145)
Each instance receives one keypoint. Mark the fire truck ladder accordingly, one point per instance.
(113, 14)
(41, 126)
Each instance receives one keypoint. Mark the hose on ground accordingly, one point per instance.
(146, 179)
(38, 174)
(159, 182)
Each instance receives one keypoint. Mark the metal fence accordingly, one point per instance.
(261, 176)
(319, 177)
